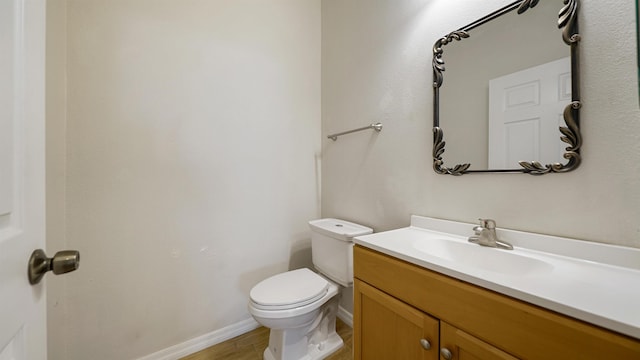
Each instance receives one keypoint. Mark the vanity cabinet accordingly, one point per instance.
(391, 329)
(397, 304)
(461, 345)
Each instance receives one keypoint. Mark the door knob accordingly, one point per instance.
(62, 262)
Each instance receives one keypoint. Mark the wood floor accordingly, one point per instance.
(251, 345)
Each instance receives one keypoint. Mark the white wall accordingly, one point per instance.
(377, 67)
(192, 134)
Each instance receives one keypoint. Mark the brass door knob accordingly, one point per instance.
(62, 262)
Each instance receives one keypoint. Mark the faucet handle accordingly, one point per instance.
(487, 223)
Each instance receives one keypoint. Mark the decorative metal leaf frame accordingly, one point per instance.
(568, 23)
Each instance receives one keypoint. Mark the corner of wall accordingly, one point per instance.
(56, 112)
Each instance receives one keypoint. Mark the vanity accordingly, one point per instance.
(509, 103)
(425, 292)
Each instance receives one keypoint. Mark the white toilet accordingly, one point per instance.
(300, 306)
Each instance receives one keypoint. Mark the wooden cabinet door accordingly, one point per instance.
(386, 328)
(463, 346)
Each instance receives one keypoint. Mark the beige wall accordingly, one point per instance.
(377, 67)
(184, 165)
(191, 141)
(56, 106)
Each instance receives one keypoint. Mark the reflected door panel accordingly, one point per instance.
(525, 112)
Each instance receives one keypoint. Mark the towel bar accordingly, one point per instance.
(377, 127)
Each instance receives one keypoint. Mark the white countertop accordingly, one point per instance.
(593, 282)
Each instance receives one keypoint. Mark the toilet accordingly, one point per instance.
(300, 306)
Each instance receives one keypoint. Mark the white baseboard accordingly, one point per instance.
(204, 341)
(345, 316)
(215, 337)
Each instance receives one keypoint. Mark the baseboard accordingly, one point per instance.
(215, 337)
(345, 316)
(204, 341)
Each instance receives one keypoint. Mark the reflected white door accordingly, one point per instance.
(22, 226)
(525, 112)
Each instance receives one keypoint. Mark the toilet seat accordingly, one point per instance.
(289, 290)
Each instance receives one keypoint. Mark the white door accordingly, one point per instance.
(525, 112)
(22, 225)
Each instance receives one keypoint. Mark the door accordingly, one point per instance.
(22, 226)
(525, 113)
(458, 345)
(386, 328)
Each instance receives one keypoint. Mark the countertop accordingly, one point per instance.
(594, 282)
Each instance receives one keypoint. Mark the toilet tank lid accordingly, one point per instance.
(339, 229)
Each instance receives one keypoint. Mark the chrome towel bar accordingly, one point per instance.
(377, 127)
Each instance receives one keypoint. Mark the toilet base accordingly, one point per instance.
(316, 351)
(314, 340)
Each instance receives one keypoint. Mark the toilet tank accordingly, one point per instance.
(332, 248)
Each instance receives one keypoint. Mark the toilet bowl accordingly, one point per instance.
(301, 315)
(300, 306)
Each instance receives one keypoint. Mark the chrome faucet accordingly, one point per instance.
(486, 235)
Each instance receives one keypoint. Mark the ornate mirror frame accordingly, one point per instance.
(568, 23)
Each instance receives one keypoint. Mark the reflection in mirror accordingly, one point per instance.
(511, 83)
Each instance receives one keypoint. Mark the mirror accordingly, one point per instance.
(510, 99)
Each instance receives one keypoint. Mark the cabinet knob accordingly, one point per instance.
(425, 344)
(446, 354)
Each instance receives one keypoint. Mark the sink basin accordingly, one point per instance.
(507, 262)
